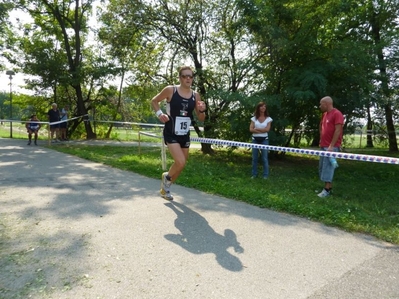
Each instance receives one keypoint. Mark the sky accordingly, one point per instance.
(17, 81)
(18, 78)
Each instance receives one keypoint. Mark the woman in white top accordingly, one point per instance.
(259, 127)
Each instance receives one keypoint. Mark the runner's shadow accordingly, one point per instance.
(199, 238)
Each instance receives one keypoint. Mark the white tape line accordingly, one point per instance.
(41, 122)
(129, 123)
(62, 121)
(340, 155)
(149, 134)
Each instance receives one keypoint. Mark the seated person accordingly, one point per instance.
(32, 127)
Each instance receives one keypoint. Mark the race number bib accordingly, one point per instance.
(182, 125)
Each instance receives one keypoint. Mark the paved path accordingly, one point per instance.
(71, 228)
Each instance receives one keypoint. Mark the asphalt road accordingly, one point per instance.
(71, 228)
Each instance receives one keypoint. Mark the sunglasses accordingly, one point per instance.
(187, 76)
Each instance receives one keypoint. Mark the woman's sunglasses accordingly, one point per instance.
(187, 76)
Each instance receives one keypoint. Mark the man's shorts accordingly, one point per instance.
(183, 140)
(326, 170)
(64, 124)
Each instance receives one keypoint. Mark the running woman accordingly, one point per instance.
(181, 101)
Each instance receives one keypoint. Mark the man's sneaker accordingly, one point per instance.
(29, 143)
(165, 187)
(165, 183)
(324, 193)
(166, 194)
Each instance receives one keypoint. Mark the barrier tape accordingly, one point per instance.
(340, 155)
(150, 134)
(69, 119)
(42, 122)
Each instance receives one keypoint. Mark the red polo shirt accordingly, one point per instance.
(328, 122)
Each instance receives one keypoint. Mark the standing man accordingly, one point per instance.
(54, 116)
(331, 125)
(181, 102)
(64, 124)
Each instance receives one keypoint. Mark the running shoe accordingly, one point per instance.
(165, 187)
(324, 193)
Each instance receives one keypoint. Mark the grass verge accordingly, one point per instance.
(364, 200)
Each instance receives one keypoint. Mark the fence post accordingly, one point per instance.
(49, 135)
(139, 144)
(163, 154)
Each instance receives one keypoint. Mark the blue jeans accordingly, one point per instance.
(255, 157)
(326, 170)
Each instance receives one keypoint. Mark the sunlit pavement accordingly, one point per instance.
(106, 233)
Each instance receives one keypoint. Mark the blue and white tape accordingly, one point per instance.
(340, 155)
(42, 122)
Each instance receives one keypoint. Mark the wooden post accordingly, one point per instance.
(163, 154)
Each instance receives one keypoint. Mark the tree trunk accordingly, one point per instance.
(393, 144)
(206, 148)
(89, 131)
(108, 134)
(82, 110)
(369, 129)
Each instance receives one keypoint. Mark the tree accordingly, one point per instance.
(210, 36)
(383, 19)
(6, 35)
(287, 53)
(373, 25)
(128, 46)
(54, 50)
(313, 53)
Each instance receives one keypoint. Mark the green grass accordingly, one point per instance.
(19, 131)
(365, 196)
